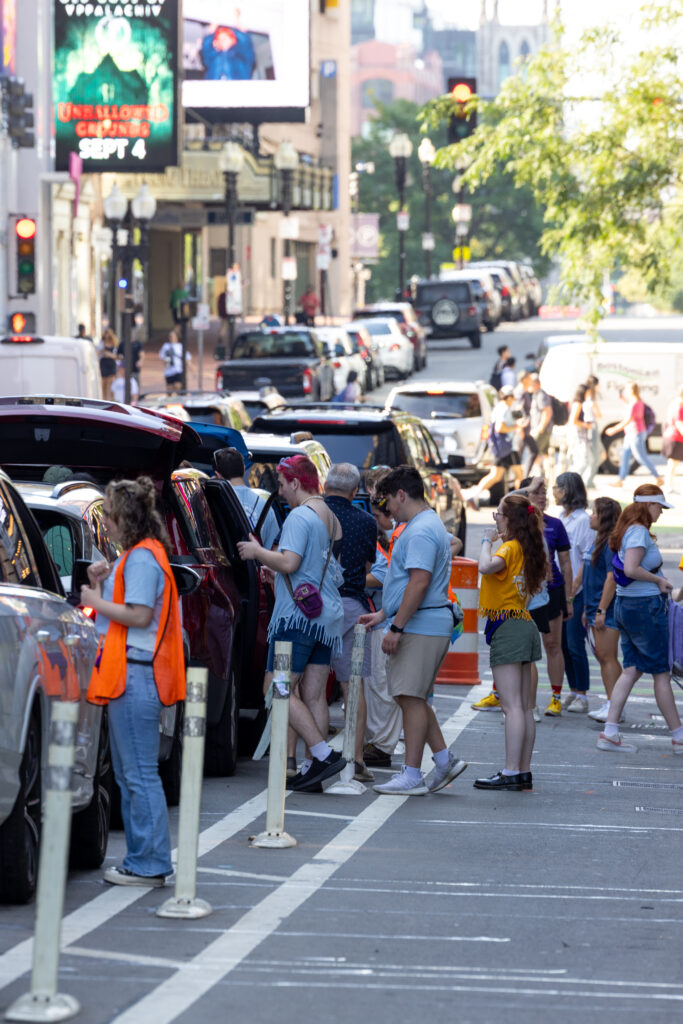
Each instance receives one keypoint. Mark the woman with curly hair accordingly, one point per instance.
(139, 668)
(641, 614)
(510, 577)
(599, 589)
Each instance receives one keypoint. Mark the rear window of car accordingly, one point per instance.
(363, 445)
(259, 345)
(453, 404)
(377, 328)
(429, 293)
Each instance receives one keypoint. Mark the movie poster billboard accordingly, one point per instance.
(8, 36)
(246, 61)
(115, 84)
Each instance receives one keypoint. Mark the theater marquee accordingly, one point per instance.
(115, 84)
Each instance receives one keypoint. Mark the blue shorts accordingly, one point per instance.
(643, 625)
(609, 617)
(306, 650)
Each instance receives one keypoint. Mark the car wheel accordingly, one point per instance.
(170, 770)
(475, 339)
(20, 834)
(90, 827)
(220, 755)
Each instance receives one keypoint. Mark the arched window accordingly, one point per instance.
(503, 62)
(375, 89)
(525, 50)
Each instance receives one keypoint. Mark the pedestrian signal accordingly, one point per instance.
(462, 122)
(25, 234)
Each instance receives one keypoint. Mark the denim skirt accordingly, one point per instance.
(643, 624)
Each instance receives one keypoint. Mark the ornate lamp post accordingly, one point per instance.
(400, 149)
(115, 207)
(286, 160)
(426, 154)
(231, 162)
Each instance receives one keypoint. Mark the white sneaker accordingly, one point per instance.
(122, 876)
(677, 746)
(615, 743)
(440, 777)
(536, 713)
(569, 699)
(403, 784)
(600, 714)
(579, 705)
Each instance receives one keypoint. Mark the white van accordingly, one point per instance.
(656, 366)
(33, 364)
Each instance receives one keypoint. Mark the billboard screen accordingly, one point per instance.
(248, 60)
(115, 85)
(8, 35)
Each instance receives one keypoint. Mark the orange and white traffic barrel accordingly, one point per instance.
(461, 665)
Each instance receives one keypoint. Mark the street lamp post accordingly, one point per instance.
(231, 162)
(115, 208)
(286, 160)
(400, 149)
(142, 209)
(426, 154)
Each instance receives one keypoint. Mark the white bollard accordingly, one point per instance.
(275, 837)
(346, 785)
(185, 904)
(44, 1002)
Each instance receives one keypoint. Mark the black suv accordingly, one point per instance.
(448, 309)
(370, 436)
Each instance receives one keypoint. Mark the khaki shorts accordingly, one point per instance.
(514, 641)
(412, 671)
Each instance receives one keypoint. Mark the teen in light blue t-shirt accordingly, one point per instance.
(423, 544)
(638, 537)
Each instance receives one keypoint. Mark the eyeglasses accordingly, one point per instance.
(499, 515)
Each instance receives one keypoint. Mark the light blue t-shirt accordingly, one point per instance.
(379, 570)
(253, 504)
(424, 544)
(638, 537)
(143, 582)
(305, 534)
(542, 597)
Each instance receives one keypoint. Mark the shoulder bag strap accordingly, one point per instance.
(285, 575)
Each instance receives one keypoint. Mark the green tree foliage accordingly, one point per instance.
(506, 220)
(595, 133)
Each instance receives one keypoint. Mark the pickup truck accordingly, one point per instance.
(292, 359)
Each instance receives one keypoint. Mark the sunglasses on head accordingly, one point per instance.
(379, 503)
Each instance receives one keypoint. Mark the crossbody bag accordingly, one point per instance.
(306, 596)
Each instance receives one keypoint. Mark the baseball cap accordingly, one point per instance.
(506, 391)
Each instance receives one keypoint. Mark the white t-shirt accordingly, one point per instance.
(581, 537)
(118, 389)
(172, 352)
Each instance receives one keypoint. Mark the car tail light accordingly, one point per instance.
(505, 291)
(471, 310)
(395, 348)
(307, 382)
(484, 433)
(219, 380)
(89, 612)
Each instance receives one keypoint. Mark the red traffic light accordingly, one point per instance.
(25, 228)
(18, 323)
(461, 92)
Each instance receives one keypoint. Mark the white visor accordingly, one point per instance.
(654, 499)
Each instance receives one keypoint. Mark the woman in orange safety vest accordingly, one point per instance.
(139, 668)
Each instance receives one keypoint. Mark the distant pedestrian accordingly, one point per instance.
(310, 305)
(171, 353)
(502, 430)
(579, 434)
(108, 350)
(357, 555)
(351, 391)
(599, 590)
(496, 378)
(118, 385)
(180, 306)
(591, 417)
(635, 436)
(672, 443)
(509, 373)
(641, 615)
(540, 425)
(82, 333)
(139, 669)
(309, 538)
(510, 576)
(417, 609)
(229, 465)
(137, 358)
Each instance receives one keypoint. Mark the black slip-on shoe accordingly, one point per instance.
(500, 781)
(319, 770)
(525, 779)
(376, 758)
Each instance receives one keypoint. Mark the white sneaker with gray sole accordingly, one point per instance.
(440, 777)
(402, 784)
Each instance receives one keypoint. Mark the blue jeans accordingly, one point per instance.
(635, 446)
(134, 736)
(574, 649)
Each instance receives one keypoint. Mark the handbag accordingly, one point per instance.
(307, 596)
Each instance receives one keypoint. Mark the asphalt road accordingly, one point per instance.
(560, 904)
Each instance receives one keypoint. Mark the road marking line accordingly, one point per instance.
(192, 981)
(644, 829)
(126, 958)
(320, 814)
(242, 874)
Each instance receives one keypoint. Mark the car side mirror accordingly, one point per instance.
(79, 576)
(186, 579)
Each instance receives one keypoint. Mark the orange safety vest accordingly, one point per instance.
(394, 537)
(108, 679)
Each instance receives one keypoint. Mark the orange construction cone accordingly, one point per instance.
(461, 665)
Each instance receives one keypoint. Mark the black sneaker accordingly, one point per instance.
(500, 781)
(318, 771)
(525, 779)
(376, 758)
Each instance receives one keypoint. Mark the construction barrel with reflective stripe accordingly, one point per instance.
(461, 664)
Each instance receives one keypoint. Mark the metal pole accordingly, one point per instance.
(401, 186)
(346, 784)
(230, 203)
(275, 836)
(286, 206)
(200, 360)
(185, 903)
(44, 1002)
(427, 183)
(114, 227)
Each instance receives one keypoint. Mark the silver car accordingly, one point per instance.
(47, 651)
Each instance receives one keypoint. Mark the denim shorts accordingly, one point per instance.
(306, 650)
(643, 625)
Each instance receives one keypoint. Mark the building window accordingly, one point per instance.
(273, 257)
(503, 63)
(376, 90)
(525, 50)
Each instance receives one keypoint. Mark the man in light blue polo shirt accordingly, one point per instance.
(416, 607)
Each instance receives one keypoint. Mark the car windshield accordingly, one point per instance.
(457, 290)
(261, 345)
(426, 405)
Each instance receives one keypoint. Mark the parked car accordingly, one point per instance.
(266, 450)
(224, 409)
(506, 288)
(448, 309)
(371, 350)
(485, 292)
(342, 356)
(533, 287)
(519, 304)
(48, 650)
(258, 400)
(458, 416)
(108, 440)
(408, 322)
(396, 350)
(33, 364)
(292, 359)
(369, 436)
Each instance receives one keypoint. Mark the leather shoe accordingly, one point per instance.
(500, 781)
(525, 779)
(376, 758)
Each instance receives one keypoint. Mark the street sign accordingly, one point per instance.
(323, 254)
(461, 213)
(202, 321)
(289, 272)
(462, 252)
(427, 241)
(289, 228)
(403, 220)
(233, 291)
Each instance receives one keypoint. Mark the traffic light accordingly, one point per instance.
(22, 323)
(25, 236)
(17, 107)
(461, 124)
